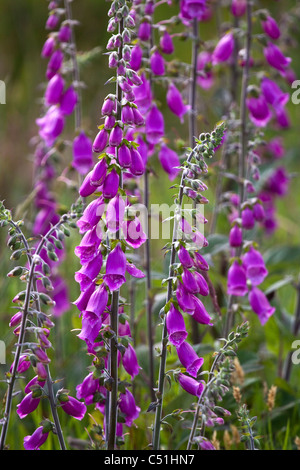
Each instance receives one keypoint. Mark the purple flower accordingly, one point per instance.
(87, 389)
(185, 300)
(203, 288)
(36, 380)
(54, 90)
(54, 63)
(166, 43)
(223, 49)
(205, 444)
(127, 114)
(89, 271)
(237, 280)
(259, 212)
(52, 21)
(276, 58)
(271, 28)
(136, 57)
(144, 31)
(36, 440)
(157, 63)
(133, 233)
(51, 125)
(115, 268)
(155, 126)
(64, 34)
(238, 7)
(175, 102)
(169, 161)
(99, 172)
(273, 94)
(260, 305)
(88, 246)
(84, 297)
(259, 111)
(98, 301)
(15, 319)
(189, 358)
(190, 385)
(27, 405)
(248, 220)
(137, 117)
(175, 326)
(48, 47)
(116, 136)
(278, 182)
(137, 166)
(189, 281)
(124, 156)
(134, 271)
(90, 328)
(282, 118)
(205, 77)
(111, 184)
(100, 141)
(74, 407)
(184, 257)
(235, 236)
(200, 262)
(108, 107)
(68, 101)
(143, 95)
(200, 314)
(130, 362)
(128, 407)
(190, 9)
(115, 213)
(255, 266)
(82, 153)
(87, 188)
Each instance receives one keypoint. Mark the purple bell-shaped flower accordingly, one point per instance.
(260, 305)
(237, 280)
(115, 268)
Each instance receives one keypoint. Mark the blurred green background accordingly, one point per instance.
(22, 34)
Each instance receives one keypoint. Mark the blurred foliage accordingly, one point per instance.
(262, 355)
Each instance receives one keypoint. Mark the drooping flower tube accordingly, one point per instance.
(223, 49)
(260, 305)
(189, 358)
(237, 280)
(36, 440)
(176, 326)
(175, 102)
(255, 267)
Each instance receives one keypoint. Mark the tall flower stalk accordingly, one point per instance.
(178, 281)
(110, 227)
(243, 144)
